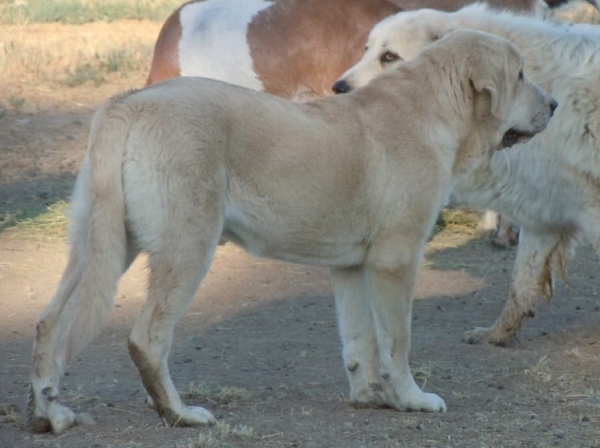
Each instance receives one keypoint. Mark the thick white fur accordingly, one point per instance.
(352, 182)
(551, 185)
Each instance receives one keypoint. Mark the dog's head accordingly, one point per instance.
(493, 66)
(391, 42)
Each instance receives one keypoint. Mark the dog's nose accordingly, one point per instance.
(341, 86)
(553, 106)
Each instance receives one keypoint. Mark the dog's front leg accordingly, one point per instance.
(390, 292)
(358, 335)
(538, 253)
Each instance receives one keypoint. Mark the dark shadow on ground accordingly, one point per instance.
(29, 199)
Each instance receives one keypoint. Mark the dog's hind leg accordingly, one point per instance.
(100, 253)
(174, 278)
(538, 255)
(358, 335)
(507, 234)
(182, 251)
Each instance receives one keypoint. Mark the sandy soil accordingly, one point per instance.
(263, 334)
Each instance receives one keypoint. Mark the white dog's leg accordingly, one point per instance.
(391, 302)
(507, 233)
(46, 412)
(177, 219)
(532, 277)
(358, 335)
(589, 221)
(174, 278)
(99, 255)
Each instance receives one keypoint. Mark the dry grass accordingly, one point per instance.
(83, 11)
(225, 435)
(48, 226)
(216, 394)
(48, 68)
(71, 55)
(10, 414)
(463, 221)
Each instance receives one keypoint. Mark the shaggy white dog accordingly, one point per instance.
(551, 185)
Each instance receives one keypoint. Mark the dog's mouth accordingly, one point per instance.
(514, 136)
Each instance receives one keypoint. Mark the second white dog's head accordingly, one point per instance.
(500, 79)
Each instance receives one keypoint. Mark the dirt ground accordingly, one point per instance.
(259, 347)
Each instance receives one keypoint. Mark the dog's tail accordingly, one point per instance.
(99, 248)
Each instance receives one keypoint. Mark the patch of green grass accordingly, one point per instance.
(114, 61)
(85, 73)
(17, 102)
(458, 220)
(120, 61)
(83, 11)
(49, 225)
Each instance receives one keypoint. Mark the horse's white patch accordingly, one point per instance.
(213, 31)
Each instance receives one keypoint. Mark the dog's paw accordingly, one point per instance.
(482, 335)
(57, 420)
(425, 402)
(45, 412)
(506, 238)
(189, 416)
(369, 396)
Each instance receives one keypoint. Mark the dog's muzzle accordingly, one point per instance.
(514, 135)
(341, 86)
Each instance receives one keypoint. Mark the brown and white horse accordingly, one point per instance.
(291, 48)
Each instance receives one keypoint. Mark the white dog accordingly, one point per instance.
(550, 185)
(352, 182)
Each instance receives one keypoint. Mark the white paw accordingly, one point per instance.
(200, 416)
(425, 402)
(190, 416)
(61, 418)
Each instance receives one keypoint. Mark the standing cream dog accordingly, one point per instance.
(551, 185)
(352, 182)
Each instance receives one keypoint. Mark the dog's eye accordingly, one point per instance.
(388, 56)
(521, 75)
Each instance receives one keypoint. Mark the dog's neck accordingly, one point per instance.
(473, 134)
(475, 152)
(508, 175)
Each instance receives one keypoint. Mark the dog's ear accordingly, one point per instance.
(492, 81)
(434, 34)
(437, 26)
